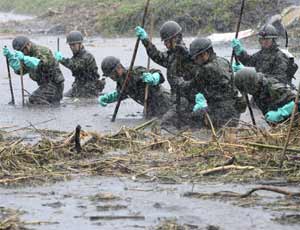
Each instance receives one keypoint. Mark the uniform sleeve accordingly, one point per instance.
(157, 56)
(79, 64)
(47, 60)
(246, 59)
(162, 78)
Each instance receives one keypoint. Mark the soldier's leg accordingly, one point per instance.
(47, 94)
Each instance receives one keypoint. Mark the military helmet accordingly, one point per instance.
(199, 45)
(109, 64)
(169, 29)
(20, 42)
(74, 37)
(268, 31)
(247, 80)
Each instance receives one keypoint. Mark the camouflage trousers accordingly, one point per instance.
(86, 89)
(47, 94)
(158, 104)
(220, 114)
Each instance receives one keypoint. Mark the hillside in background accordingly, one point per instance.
(112, 17)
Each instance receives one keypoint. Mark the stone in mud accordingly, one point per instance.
(57, 29)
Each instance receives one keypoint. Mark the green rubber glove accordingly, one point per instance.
(237, 67)
(281, 113)
(108, 98)
(151, 78)
(7, 53)
(30, 62)
(141, 33)
(201, 103)
(58, 56)
(14, 63)
(237, 46)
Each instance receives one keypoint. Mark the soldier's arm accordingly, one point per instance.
(75, 65)
(157, 56)
(47, 60)
(247, 59)
(279, 70)
(162, 78)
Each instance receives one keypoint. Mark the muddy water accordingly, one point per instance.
(87, 113)
(67, 204)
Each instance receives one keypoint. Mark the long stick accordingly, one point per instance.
(22, 83)
(290, 128)
(215, 137)
(148, 68)
(130, 67)
(58, 44)
(10, 83)
(233, 55)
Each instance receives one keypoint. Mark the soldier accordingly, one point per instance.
(158, 98)
(177, 61)
(42, 67)
(84, 68)
(274, 98)
(211, 89)
(270, 60)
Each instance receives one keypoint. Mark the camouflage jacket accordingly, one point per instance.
(136, 87)
(48, 69)
(83, 66)
(273, 63)
(271, 94)
(177, 62)
(213, 80)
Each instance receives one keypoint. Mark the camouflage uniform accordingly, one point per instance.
(178, 64)
(158, 98)
(214, 81)
(84, 68)
(47, 75)
(268, 93)
(272, 62)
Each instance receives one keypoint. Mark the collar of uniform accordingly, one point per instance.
(33, 48)
(80, 52)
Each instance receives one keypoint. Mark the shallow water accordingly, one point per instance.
(68, 204)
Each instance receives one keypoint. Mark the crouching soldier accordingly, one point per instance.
(42, 68)
(211, 89)
(84, 68)
(274, 98)
(270, 60)
(158, 98)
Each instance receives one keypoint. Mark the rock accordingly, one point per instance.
(57, 29)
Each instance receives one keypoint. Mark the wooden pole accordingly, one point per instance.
(233, 55)
(10, 83)
(148, 68)
(22, 83)
(124, 86)
(290, 128)
(58, 44)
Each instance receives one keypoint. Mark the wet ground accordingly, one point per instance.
(116, 203)
(67, 204)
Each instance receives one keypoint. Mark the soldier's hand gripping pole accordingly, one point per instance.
(10, 83)
(233, 55)
(124, 86)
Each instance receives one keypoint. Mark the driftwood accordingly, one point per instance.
(271, 189)
(224, 168)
